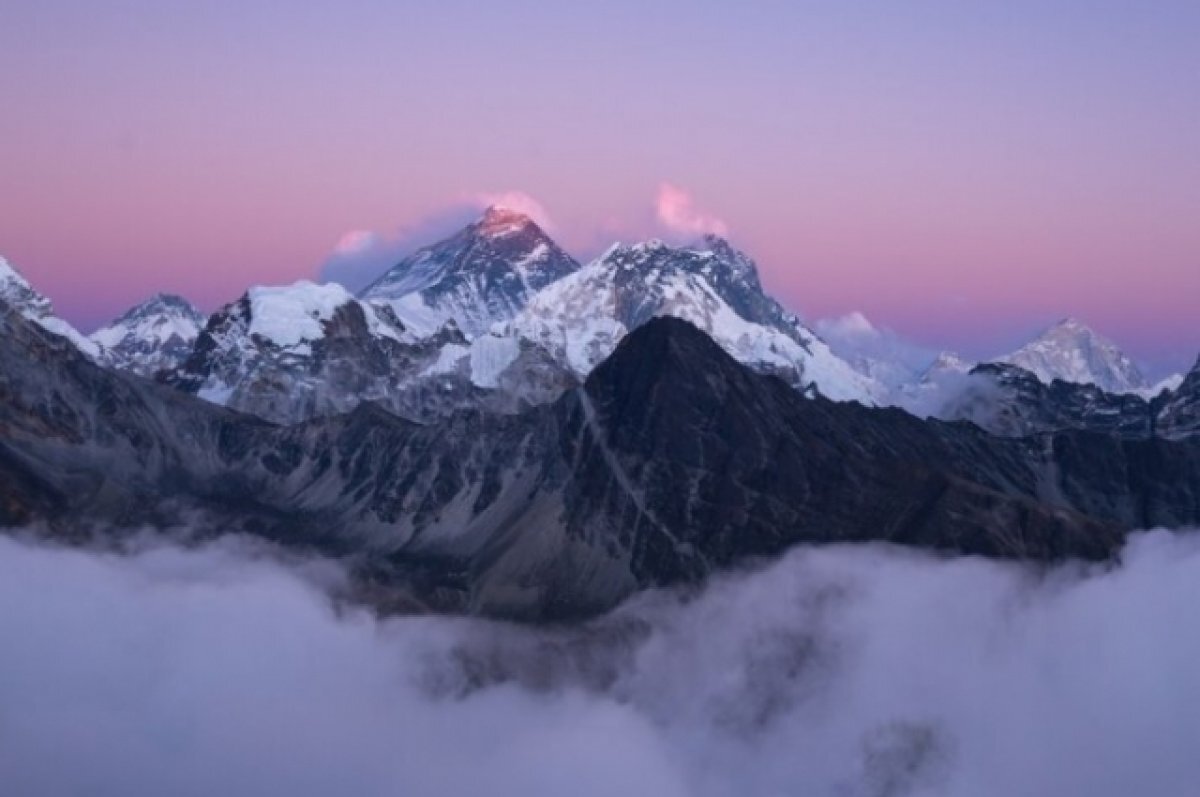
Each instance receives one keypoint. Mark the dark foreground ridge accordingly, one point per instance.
(673, 460)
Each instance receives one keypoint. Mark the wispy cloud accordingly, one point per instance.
(519, 201)
(676, 211)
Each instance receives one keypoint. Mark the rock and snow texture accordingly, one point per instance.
(1073, 352)
(582, 317)
(17, 292)
(155, 335)
(482, 275)
(297, 352)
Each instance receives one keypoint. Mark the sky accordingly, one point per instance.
(963, 173)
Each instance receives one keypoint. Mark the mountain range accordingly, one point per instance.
(492, 427)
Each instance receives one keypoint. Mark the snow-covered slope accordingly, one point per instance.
(301, 351)
(18, 293)
(582, 317)
(1073, 352)
(154, 335)
(1166, 384)
(483, 274)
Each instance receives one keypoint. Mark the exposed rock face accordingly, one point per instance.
(1073, 352)
(671, 461)
(156, 335)
(484, 274)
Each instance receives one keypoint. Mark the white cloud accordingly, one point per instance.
(877, 351)
(842, 670)
(849, 326)
(676, 211)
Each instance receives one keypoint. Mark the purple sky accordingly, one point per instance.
(962, 172)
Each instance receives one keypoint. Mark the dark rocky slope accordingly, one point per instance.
(1008, 400)
(671, 461)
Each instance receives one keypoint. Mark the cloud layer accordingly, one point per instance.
(843, 671)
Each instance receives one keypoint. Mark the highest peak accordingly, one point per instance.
(499, 220)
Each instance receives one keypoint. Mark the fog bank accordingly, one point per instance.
(843, 671)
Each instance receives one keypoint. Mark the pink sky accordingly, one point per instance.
(963, 175)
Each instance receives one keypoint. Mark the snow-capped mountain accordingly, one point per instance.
(582, 317)
(20, 295)
(152, 336)
(1073, 352)
(297, 352)
(483, 274)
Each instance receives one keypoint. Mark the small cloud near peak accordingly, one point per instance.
(676, 210)
(517, 201)
(355, 242)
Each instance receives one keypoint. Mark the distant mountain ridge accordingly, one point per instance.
(498, 317)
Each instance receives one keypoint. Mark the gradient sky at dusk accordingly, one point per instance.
(961, 172)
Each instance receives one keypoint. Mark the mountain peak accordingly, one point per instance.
(151, 336)
(483, 274)
(1072, 351)
(666, 350)
(162, 304)
(499, 220)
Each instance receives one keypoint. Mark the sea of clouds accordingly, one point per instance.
(847, 671)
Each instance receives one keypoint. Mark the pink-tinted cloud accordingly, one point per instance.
(361, 256)
(356, 242)
(519, 201)
(676, 210)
